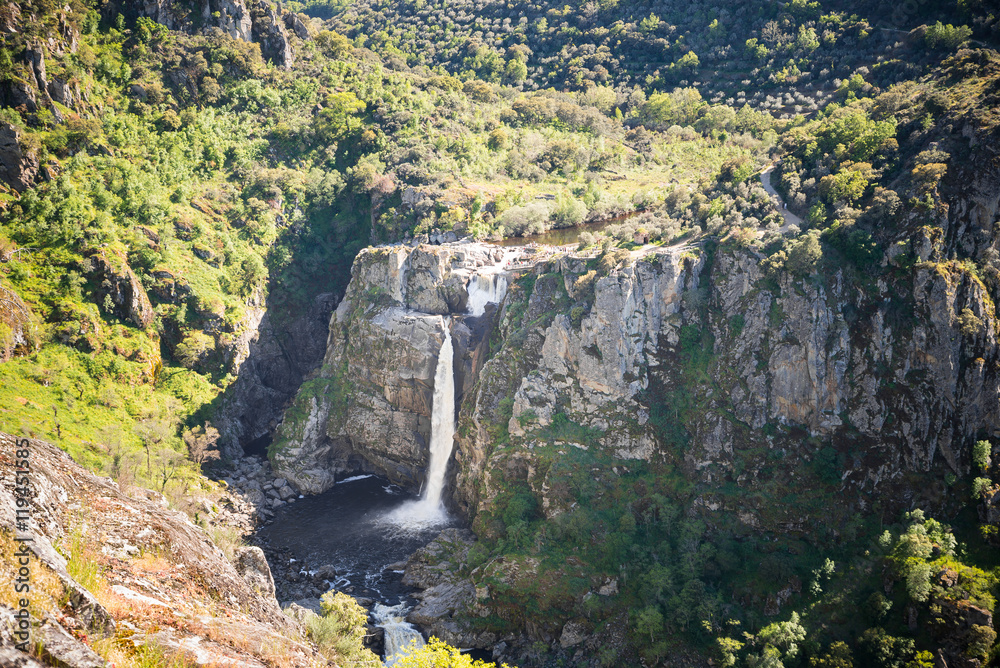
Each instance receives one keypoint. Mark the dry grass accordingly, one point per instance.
(226, 538)
(47, 591)
(121, 652)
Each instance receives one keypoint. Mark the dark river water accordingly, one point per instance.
(345, 527)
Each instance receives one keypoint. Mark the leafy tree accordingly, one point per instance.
(727, 650)
(516, 70)
(981, 455)
(946, 36)
(340, 631)
(650, 23)
(784, 636)
(438, 654)
(804, 254)
(878, 649)
(837, 656)
(680, 107)
(980, 486)
(340, 116)
(195, 347)
(201, 443)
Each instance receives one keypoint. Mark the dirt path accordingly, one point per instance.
(790, 218)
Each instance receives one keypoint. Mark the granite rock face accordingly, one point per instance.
(369, 406)
(255, 20)
(118, 283)
(18, 167)
(272, 361)
(16, 317)
(901, 373)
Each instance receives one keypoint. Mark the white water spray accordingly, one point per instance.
(485, 288)
(489, 284)
(398, 632)
(428, 509)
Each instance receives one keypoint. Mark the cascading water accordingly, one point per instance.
(485, 289)
(399, 634)
(428, 509)
(489, 285)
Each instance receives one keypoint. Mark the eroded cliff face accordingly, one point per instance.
(249, 20)
(369, 406)
(689, 355)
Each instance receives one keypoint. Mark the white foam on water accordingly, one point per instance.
(353, 478)
(400, 635)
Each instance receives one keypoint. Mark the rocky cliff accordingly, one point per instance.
(369, 406)
(895, 376)
(254, 20)
(781, 401)
(116, 571)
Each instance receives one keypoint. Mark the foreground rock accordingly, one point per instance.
(159, 579)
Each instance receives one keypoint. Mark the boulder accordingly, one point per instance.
(116, 280)
(18, 166)
(295, 23)
(251, 563)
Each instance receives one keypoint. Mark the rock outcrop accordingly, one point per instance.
(902, 373)
(17, 329)
(118, 285)
(277, 358)
(249, 20)
(369, 406)
(18, 166)
(161, 580)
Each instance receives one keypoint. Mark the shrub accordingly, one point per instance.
(437, 654)
(340, 632)
(195, 347)
(519, 221)
(981, 455)
(980, 486)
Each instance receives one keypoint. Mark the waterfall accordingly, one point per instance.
(442, 423)
(485, 288)
(398, 632)
(489, 284)
(428, 509)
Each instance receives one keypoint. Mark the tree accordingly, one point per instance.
(201, 443)
(194, 348)
(689, 62)
(516, 71)
(980, 486)
(334, 43)
(804, 254)
(649, 24)
(878, 649)
(981, 455)
(727, 649)
(837, 656)
(784, 636)
(682, 106)
(437, 654)
(948, 36)
(340, 116)
(168, 465)
(340, 631)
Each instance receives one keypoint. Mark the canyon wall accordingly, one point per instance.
(695, 355)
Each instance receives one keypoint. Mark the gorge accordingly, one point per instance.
(603, 334)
